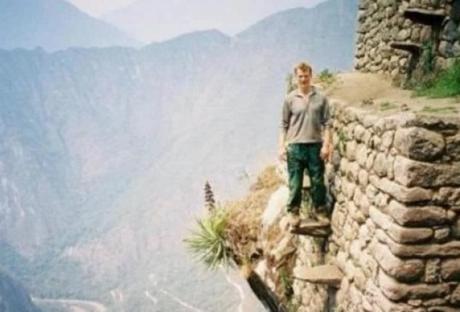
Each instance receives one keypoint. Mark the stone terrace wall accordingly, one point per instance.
(397, 35)
(396, 225)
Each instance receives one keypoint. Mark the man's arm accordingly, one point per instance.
(286, 114)
(327, 149)
(282, 146)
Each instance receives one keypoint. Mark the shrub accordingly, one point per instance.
(208, 242)
(444, 84)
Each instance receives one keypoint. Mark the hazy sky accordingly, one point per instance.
(158, 20)
(99, 7)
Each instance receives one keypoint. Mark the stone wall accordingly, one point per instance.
(396, 225)
(403, 38)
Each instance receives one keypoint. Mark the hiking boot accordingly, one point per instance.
(293, 220)
(323, 218)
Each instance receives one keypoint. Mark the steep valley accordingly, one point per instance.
(105, 151)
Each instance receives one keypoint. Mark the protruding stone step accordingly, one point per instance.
(313, 228)
(410, 47)
(324, 274)
(424, 16)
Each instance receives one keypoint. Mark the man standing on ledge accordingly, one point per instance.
(305, 141)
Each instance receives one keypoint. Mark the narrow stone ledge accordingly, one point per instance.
(398, 233)
(401, 193)
(417, 216)
(315, 229)
(424, 16)
(323, 274)
(416, 173)
(402, 270)
(398, 291)
(411, 47)
(449, 249)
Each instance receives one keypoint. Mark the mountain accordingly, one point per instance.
(160, 20)
(54, 25)
(13, 297)
(104, 153)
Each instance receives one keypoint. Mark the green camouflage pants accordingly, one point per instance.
(301, 157)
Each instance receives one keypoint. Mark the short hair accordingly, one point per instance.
(303, 66)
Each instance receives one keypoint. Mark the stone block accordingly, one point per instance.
(369, 120)
(343, 165)
(455, 229)
(449, 249)
(442, 309)
(450, 270)
(445, 125)
(348, 188)
(380, 165)
(358, 133)
(416, 173)
(323, 274)
(390, 169)
(370, 160)
(447, 196)
(398, 291)
(361, 155)
(402, 270)
(352, 171)
(350, 150)
(455, 297)
(387, 140)
(398, 233)
(363, 178)
(441, 234)
(417, 215)
(453, 147)
(433, 271)
(401, 193)
(419, 143)
(382, 303)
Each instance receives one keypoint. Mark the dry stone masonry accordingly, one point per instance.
(407, 38)
(394, 241)
(395, 227)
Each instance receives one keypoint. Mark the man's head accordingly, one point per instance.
(303, 73)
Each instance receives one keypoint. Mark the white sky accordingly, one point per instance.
(99, 7)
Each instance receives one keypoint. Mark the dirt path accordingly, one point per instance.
(374, 92)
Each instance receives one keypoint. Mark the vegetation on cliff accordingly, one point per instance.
(229, 234)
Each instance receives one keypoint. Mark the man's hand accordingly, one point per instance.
(282, 153)
(326, 152)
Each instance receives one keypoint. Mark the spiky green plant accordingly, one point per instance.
(208, 243)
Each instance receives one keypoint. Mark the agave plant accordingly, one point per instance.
(208, 242)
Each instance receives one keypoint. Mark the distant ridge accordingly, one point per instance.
(151, 20)
(54, 25)
(104, 152)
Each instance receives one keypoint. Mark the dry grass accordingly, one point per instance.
(244, 221)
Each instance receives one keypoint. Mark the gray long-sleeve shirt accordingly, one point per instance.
(305, 116)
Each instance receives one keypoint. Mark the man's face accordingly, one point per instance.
(303, 78)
